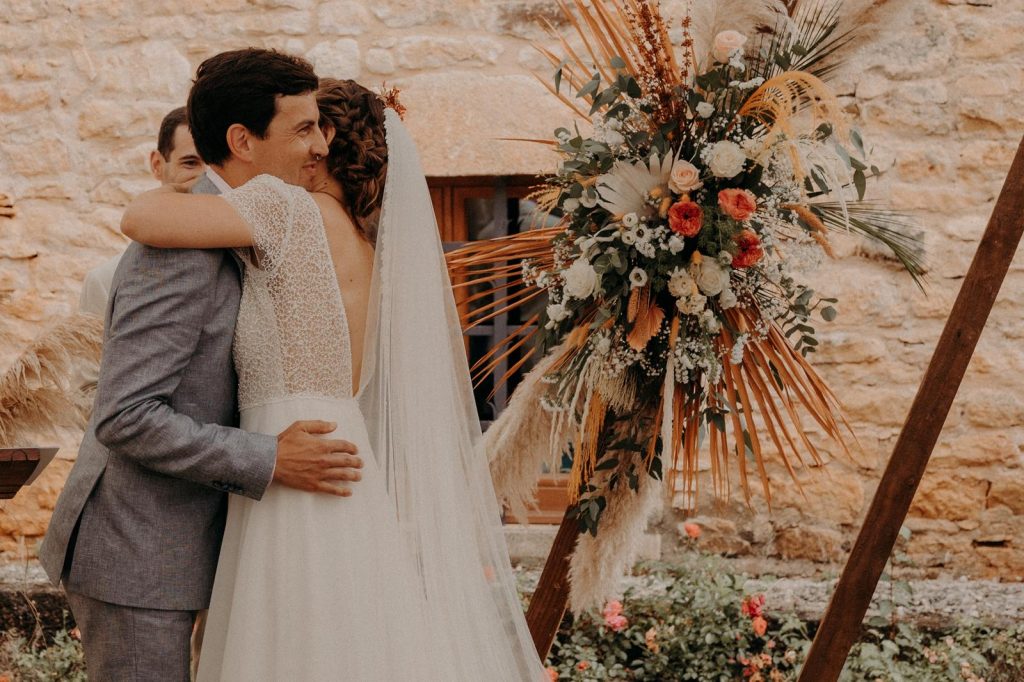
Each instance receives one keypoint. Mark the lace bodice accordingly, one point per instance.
(292, 336)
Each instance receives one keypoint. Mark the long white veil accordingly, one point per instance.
(423, 427)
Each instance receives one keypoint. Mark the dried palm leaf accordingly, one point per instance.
(39, 393)
(645, 316)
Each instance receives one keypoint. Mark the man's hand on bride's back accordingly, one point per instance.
(309, 462)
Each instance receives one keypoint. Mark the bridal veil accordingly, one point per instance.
(423, 426)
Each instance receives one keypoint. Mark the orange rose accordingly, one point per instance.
(552, 675)
(750, 249)
(583, 665)
(760, 626)
(738, 204)
(685, 218)
(692, 530)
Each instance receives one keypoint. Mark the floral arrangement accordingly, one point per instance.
(706, 185)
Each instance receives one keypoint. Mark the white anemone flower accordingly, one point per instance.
(638, 278)
(627, 186)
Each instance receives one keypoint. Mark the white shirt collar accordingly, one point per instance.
(218, 182)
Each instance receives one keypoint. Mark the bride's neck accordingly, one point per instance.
(333, 188)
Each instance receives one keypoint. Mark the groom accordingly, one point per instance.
(137, 530)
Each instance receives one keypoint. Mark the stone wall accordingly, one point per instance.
(84, 83)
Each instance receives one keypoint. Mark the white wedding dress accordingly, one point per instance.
(393, 583)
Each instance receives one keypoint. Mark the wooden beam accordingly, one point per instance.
(841, 626)
(547, 607)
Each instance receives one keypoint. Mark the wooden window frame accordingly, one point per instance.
(449, 195)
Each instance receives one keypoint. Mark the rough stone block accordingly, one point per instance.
(347, 18)
(336, 59)
(809, 542)
(946, 496)
(432, 52)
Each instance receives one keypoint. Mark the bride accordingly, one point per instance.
(408, 578)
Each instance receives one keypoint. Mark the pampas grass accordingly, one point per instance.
(43, 390)
(523, 438)
(597, 566)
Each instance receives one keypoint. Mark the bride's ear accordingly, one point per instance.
(239, 139)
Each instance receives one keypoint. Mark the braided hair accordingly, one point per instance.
(358, 157)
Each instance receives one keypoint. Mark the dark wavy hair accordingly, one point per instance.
(241, 86)
(358, 157)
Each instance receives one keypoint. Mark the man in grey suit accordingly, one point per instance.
(137, 530)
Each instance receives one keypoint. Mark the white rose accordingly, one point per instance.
(557, 312)
(726, 159)
(705, 109)
(691, 305)
(628, 237)
(675, 244)
(727, 299)
(631, 220)
(680, 284)
(685, 177)
(580, 279)
(711, 277)
(726, 43)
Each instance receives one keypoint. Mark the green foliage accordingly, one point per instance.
(23, 660)
(697, 629)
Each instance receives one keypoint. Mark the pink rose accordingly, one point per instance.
(738, 204)
(726, 43)
(612, 608)
(616, 623)
(552, 674)
(685, 177)
(692, 530)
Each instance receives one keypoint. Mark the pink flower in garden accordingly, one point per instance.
(692, 530)
(616, 623)
(738, 204)
(651, 639)
(583, 665)
(612, 608)
(552, 674)
(753, 606)
(760, 626)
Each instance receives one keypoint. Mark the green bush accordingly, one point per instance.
(24, 660)
(704, 626)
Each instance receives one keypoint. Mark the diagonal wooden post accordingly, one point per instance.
(841, 626)
(547, 606)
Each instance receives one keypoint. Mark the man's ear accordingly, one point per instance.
(329, 132)
(156, 165)
(239, 139)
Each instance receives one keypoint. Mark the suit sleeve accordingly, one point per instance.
(156, 321)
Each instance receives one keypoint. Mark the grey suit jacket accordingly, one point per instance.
(141, 517)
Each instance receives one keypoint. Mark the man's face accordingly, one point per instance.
(293, 142)
(184, 164)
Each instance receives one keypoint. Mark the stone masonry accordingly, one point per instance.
(935, 92)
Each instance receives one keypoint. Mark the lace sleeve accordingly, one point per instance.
(268, 205)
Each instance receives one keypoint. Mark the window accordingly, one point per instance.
(473, 208)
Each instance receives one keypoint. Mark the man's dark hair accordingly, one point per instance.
(241, 86)
(169, 126)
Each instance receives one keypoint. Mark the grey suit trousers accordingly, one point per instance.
(124, 644)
